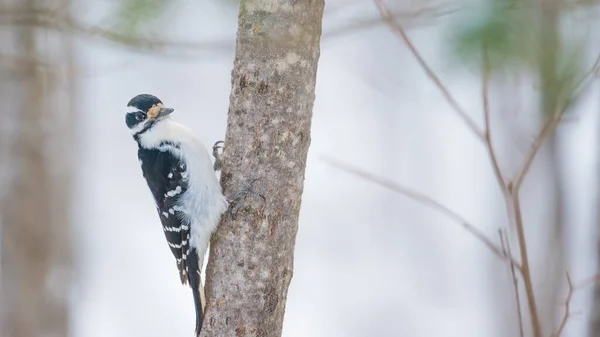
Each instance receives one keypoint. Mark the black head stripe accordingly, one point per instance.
(146, 127)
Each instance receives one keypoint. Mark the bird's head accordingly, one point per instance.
(143, 111)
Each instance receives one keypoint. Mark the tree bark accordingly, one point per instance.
(268, 136)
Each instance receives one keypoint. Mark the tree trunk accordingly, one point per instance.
(268, 136)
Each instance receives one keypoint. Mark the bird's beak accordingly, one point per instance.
(165, 112)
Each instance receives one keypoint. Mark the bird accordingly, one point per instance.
(181, 177)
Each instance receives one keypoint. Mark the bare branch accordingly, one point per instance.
(547, 130)
(565, 318)
(549, 127)
(525, 270)
(572, 287)
(426, 201)
(515, 281)
(588, 74)
(62, 20)
(389, 18)
(415, 17)
(488, 129)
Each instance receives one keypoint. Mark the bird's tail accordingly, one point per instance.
(197, 289)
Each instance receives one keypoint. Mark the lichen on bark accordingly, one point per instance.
(268, 136)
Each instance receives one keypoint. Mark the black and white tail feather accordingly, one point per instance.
(180, 174)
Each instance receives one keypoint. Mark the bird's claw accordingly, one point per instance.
(217, 155)
(237, 200)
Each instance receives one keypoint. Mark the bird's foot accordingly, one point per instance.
(215, 152)
(237, 200)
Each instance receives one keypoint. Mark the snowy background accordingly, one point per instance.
(368, 262)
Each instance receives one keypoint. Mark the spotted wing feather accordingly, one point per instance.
(166, 176)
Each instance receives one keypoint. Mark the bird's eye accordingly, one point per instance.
(134, 118)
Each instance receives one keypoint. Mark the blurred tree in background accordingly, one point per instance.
(38, 85)
(36, 166)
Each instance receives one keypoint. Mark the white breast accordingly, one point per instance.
(203, 202)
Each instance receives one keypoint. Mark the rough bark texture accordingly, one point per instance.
(35, 195)
(268, 136)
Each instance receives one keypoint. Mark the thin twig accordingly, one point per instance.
(506, 250)
(572, 287)
(426, 201)
(415, 18)
(389, 18)
(61, 20)
(549, 127)
(565, 318)
(588, 74)
(547, 130)
(488, 129)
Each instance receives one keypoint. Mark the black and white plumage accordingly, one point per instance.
(180, 175)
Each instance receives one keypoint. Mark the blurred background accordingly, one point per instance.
(82, 252)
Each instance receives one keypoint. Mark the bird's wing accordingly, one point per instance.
(166, 176)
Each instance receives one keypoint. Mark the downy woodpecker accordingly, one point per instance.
(181, 177)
